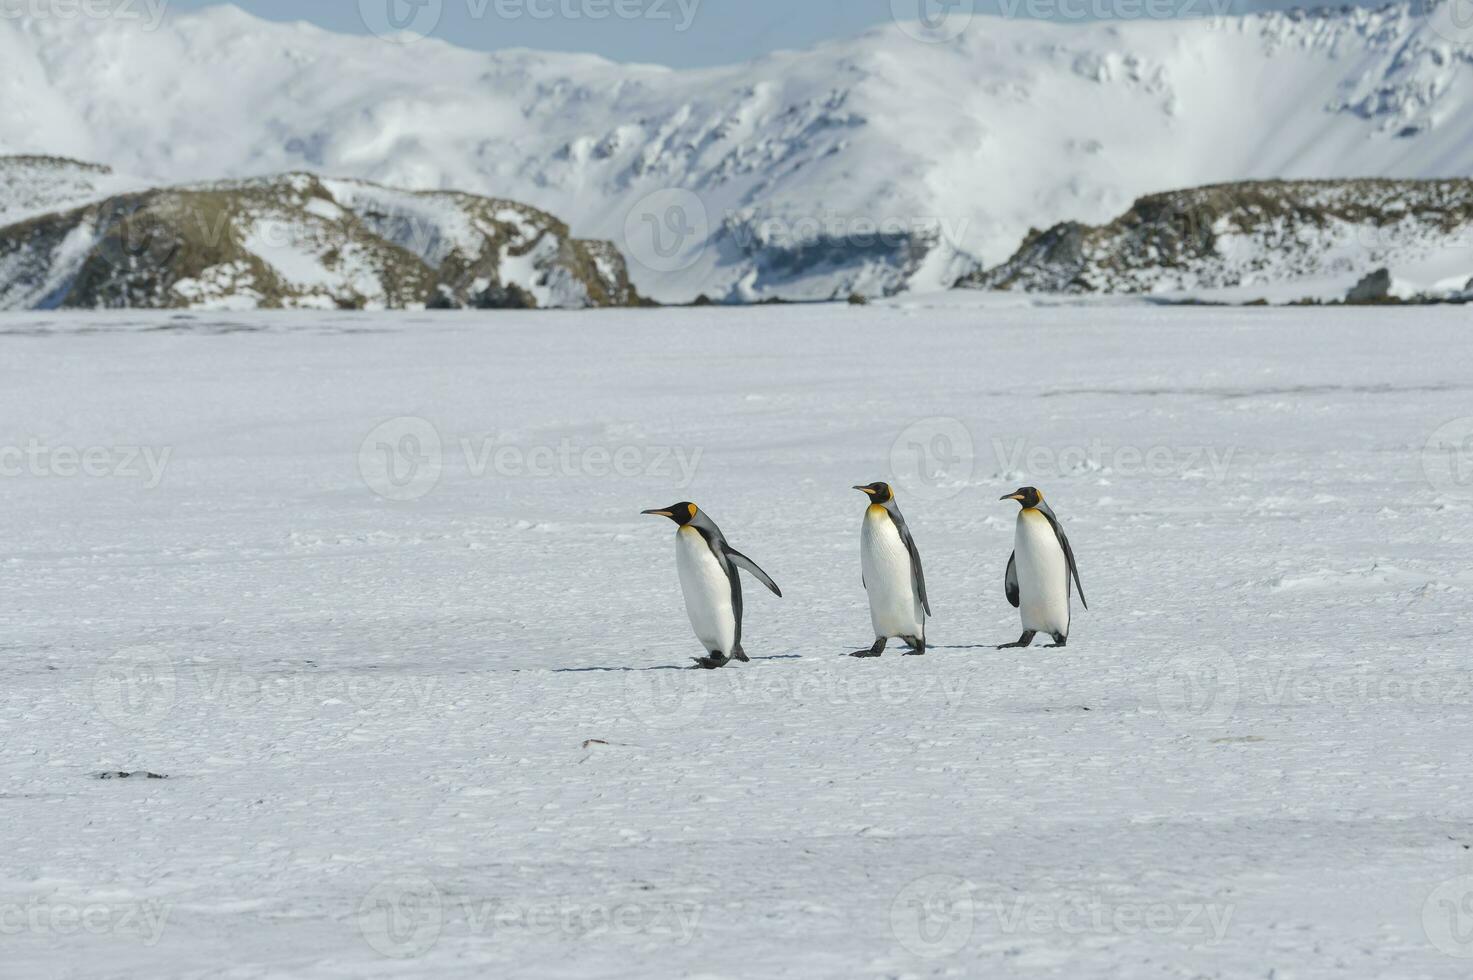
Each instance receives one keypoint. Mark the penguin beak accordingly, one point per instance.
(867, 490)
(657, 513)
(1012, 496)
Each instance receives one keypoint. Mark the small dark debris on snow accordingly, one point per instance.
(594, 741)
(128, 775)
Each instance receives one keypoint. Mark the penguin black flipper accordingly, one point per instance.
(1068, 551)
(742, 561)
(1010, 580)
(917, 575)
(736, 601)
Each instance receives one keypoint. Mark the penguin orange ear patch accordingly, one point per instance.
(692, 509)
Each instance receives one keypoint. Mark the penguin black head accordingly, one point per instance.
(879, 493)
(1028, 497)
(682, 513)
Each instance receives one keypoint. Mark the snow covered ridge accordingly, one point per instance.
(302, 242)
(36, 185)
(771, 178)
(1302, 239)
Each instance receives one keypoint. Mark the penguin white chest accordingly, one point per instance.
(1043, 575)
(707, 592)
(894, 607)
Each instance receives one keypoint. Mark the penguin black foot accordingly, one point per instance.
(1024, 641)
(874, 651)
(917, 646)
(713, 662)
(1059, 641)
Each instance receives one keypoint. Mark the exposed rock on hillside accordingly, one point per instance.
(301, 241)
(1257, 233)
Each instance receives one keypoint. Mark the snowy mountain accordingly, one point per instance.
(289, 241)
(873, 164)
(1297, 239)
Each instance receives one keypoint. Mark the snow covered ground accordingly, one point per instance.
(372, 668)
(866, 164)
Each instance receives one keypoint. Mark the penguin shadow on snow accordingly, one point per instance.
(624, 670)
(613, 670)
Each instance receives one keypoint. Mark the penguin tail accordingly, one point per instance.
(740, 654)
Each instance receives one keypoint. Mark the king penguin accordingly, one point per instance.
(892, 574)
(711, 584)
(1038, 581)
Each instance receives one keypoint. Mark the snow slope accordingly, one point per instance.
(1250, 762)
(869, 164)
(37, 185)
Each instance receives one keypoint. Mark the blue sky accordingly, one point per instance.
(714, 31)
